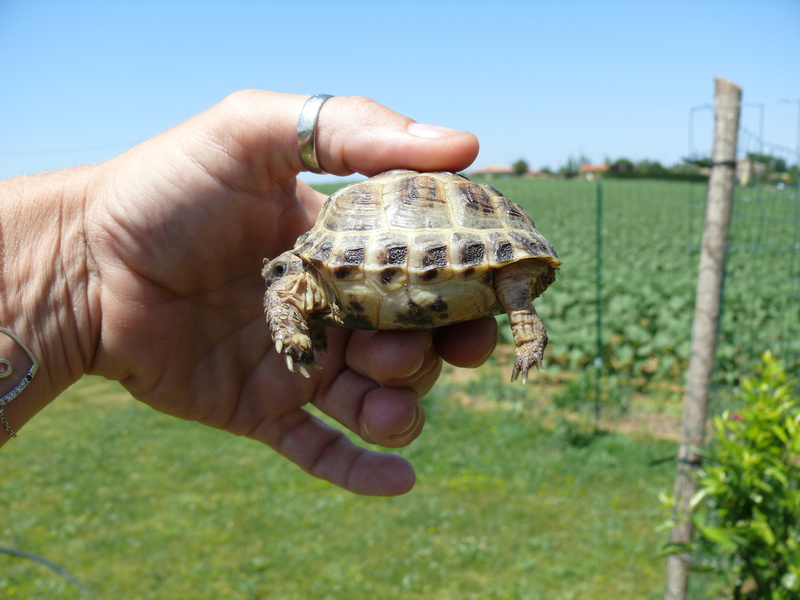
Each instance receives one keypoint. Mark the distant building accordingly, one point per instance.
(747, 169)
(493, 171)
(592, 172)
(537, 175)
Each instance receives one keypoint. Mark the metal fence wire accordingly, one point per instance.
(761, 294)
(646, 270)
(620, 314)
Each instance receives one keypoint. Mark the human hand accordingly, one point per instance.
(176, 231)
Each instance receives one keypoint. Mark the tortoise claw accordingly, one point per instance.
(299, 366)
(298, 359)
(526, 356)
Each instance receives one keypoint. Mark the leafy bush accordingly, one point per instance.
(747, 508)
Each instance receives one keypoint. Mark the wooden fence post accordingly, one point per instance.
(727, 108)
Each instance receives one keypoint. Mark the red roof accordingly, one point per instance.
(593, 168)
(494, 170)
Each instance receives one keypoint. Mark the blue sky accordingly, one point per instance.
(83, 81)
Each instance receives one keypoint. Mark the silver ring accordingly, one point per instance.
(307, 132)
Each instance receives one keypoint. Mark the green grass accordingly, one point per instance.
(141, 506)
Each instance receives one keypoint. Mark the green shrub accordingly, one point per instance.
(747, 508)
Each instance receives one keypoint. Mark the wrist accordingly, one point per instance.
(44, 280)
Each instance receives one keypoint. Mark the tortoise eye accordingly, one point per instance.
(279, 270)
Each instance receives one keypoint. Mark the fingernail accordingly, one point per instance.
(412, 425)
(430, 131)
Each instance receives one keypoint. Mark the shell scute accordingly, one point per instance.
(474, 206)
(534, 246)
(429, 259)
(315, 248)
(515, 216)
(467, 251)
(417, 202)
(500, 249)
(355, 208)
(390, 249)
(347, 258)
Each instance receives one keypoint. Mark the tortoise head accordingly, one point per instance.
(281, 266)
(294, 288)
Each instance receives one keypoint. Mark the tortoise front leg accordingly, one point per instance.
(294, 295)
(515, 285)
(290, 332)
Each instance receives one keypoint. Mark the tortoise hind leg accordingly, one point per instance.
(515, 285)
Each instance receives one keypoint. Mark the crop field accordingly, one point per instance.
(650, 235)
(644, 285)
(513, 501)
(646, 274)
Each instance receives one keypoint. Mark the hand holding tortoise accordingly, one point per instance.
(146, 269)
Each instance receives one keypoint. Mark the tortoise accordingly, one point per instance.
(410, 250)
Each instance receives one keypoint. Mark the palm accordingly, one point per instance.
(183, 255)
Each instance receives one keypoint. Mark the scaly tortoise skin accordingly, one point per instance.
(409, 250)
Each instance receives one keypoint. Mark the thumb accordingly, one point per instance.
(356, 134)
(258, 128)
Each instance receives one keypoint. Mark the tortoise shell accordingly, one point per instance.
(416, 250)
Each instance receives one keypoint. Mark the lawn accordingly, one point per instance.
(140, 506)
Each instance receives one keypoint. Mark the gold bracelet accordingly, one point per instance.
(7, 370)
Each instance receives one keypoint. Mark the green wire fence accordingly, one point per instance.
(620, 313)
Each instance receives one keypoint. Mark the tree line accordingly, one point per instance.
(761, 168)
